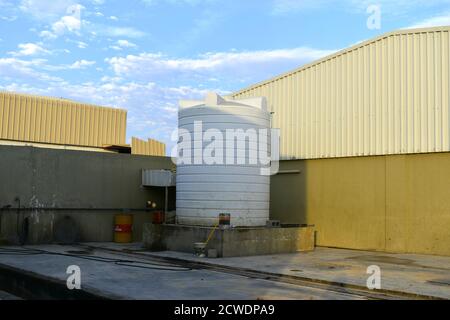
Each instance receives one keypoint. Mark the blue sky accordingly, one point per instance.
(145, 55)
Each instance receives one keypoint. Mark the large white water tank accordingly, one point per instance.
(237, 186)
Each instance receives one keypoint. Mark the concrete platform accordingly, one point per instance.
(7, 296)
(414, 275)
(141, 280)
(235, 242)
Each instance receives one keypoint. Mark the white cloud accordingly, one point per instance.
(30, 49)
(81, 64)
(66, 23)
(111, 79)
(65, 16)
(251, 65)
(77, 65)
(125, 44)
(9, 18)
(289, 6)
(70, 23)
(32, 69)
(108, 31)
(14, 69)
(436, 21)
(46, 9)
(81, 44)
(47, 34)
(179, 2)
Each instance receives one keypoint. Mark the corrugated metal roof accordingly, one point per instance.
(389, 95)
(32, 118)
(344, 51)
(147, 148)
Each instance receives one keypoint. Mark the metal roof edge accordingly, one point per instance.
(61, 99)
(343, 51)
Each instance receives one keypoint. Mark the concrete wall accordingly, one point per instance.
(88, 186)
(389, 203)
(234, 242)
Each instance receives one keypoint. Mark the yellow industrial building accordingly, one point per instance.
(368, 130)
(65, 124)
(365, 135)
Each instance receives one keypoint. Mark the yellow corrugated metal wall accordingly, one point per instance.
(59, 121)
(147, 148)
(394, 203)
(389, 95)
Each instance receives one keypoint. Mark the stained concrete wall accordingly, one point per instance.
(397, 203)
(235, 242)
(91, 188)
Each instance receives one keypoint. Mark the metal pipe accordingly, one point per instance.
(166, 203)
(289, 172)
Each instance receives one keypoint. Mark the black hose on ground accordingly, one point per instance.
(118, 262)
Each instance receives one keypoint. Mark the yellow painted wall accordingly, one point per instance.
(418, 203)
(397, 203)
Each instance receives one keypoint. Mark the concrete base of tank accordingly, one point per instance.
(234, 242)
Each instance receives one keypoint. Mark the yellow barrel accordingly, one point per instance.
(123, 225)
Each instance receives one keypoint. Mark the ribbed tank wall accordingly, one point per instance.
(206, 190)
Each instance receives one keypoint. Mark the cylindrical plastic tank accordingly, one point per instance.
(207, 186)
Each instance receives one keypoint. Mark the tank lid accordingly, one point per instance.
(212, 99)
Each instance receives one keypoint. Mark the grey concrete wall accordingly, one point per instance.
(235, 242)
(88, 186)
